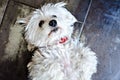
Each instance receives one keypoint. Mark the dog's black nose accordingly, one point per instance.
(53, 23)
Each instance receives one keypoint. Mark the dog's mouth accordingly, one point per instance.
(53, 30)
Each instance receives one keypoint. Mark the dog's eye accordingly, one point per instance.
(41, 23)
(54, 16)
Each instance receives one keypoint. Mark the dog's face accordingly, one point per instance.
(50, 24)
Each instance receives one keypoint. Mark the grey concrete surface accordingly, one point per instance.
(102, 31)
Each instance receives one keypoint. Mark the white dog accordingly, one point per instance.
(59, 56)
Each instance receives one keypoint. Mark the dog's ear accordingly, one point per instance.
(77, 29)
(60, 4)
(24, 21)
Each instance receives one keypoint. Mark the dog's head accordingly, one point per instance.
(52, 24)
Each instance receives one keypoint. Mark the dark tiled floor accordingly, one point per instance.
(102, 31)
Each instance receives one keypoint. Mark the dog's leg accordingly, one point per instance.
(42, 68)
(85, 63)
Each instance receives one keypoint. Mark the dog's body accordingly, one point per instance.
(59, 56)
(63, 62)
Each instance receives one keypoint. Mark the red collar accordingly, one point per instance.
(63, 40)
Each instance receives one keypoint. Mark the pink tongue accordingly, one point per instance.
(63, 40)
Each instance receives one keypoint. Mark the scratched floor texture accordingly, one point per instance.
(101, 29)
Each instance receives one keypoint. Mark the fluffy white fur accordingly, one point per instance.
(53, 60)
